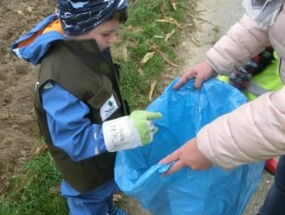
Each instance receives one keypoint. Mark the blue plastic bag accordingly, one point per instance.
(186, 192)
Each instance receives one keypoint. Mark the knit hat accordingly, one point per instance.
(80, 16)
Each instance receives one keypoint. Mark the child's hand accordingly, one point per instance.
(143, 121)
(130, 131)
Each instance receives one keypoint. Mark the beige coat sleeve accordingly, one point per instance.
(255, 131)
(244, 40)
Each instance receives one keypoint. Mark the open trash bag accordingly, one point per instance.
(186, 192)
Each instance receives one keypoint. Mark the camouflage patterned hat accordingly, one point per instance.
(80, 16)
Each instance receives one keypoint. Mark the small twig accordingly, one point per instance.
(194, 40)
(165, 57)
(41, 149)
(169, 20)
(204, 20)
(152, 86)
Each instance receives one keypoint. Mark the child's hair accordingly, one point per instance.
(120, 15)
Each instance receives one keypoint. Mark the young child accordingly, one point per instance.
(255, 131)
(80, 110)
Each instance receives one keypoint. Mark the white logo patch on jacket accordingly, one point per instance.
(108, 108)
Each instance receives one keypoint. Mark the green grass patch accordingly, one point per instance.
(153, 29)
(35, 190)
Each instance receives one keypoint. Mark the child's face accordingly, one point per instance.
(105, 34)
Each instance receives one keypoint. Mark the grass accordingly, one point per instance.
(148, 42)
(35, 190)
(148, 25)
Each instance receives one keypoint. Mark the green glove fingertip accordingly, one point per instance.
(153, 115)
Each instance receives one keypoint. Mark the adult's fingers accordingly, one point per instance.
(170, 158)
(198, 82)
(180, 83)
(184, 79)
(175, 167)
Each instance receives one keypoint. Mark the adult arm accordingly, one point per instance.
(253, 132)
(243, 40)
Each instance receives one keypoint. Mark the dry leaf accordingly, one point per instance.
(29, 9)
(20, 12)
(158, 36)
(169, 35)
(133, 29)
(165, 58)
(125, 53)
(194, 40)
(147, 57)
(54, 190)
(152, 86)
(169, 20)
(41, 149)
(174, 5)
(169, 61)
(140, 71)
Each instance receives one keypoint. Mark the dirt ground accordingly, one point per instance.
(18, 130)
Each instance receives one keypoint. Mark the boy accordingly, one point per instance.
(80, 111)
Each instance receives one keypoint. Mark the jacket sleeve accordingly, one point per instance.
(244, 40)
(253, 132)
(69, 127)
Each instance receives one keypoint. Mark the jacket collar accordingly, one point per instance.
(33, 45)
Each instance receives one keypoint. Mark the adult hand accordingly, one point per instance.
(187, 155)
(202, 72)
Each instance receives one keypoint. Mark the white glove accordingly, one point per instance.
(130, 131)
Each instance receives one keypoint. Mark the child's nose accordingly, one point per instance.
(113, 39)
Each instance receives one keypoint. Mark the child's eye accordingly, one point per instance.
(105, 35)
